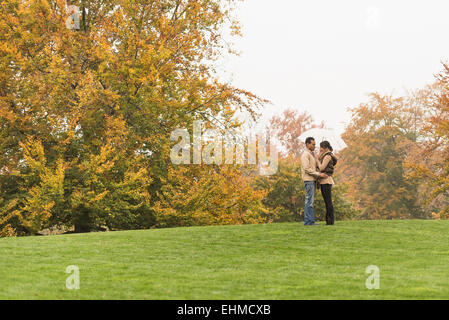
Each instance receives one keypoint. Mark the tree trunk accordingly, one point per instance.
(83, 221)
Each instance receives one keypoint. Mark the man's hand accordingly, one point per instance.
(324, 176)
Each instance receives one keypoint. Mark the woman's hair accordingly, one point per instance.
(326, 145)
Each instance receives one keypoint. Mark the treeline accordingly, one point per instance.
(396, 165)
(86, 118)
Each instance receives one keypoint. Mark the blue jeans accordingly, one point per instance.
(309, 214)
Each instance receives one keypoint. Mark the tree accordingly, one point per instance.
(289, 127)
(86, 115)
(208, 195)
(379, 136)
(429, 160)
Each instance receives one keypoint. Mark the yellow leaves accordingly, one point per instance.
(116, 130)
(132, 177)
(103, 99)
(36, 204)
(33, 152)
(236, 29)
(7, 211)
(81, 198)
(436, 216)
(8, 231)
(208, 195)
(7, 215)
(41, 197)
(5, 113)
(99, 196)
(87, 199)
(101, 161)
(99, 164)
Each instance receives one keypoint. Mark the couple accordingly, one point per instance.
(317, 171)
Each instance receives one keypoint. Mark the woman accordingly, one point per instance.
(326, 162)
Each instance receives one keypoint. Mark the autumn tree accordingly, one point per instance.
(378, 137)
(209, 195)
(429, 160)
(288, 127)
(86, 114)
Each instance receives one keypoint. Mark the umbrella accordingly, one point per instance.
(321, 135)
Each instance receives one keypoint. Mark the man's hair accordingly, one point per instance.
(309, 140)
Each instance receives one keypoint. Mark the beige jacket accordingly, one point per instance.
(321, 167)
(309, 167)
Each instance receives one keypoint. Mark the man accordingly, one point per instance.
(309, 176)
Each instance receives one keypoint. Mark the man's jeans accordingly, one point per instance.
(309, 214)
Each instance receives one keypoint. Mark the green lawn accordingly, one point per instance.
(278, 261)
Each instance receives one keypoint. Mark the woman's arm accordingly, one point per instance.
(323, 165)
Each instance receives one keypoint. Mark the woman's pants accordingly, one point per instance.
(326, 191)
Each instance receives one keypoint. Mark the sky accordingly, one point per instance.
(324, 56)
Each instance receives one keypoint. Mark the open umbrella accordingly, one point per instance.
(321, 135)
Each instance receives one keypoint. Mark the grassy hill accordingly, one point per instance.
(278, 261)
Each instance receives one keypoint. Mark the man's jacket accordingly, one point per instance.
(309, 167)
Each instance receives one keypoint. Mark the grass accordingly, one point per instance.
(278, 261)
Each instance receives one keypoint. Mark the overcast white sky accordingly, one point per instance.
(324, 56)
